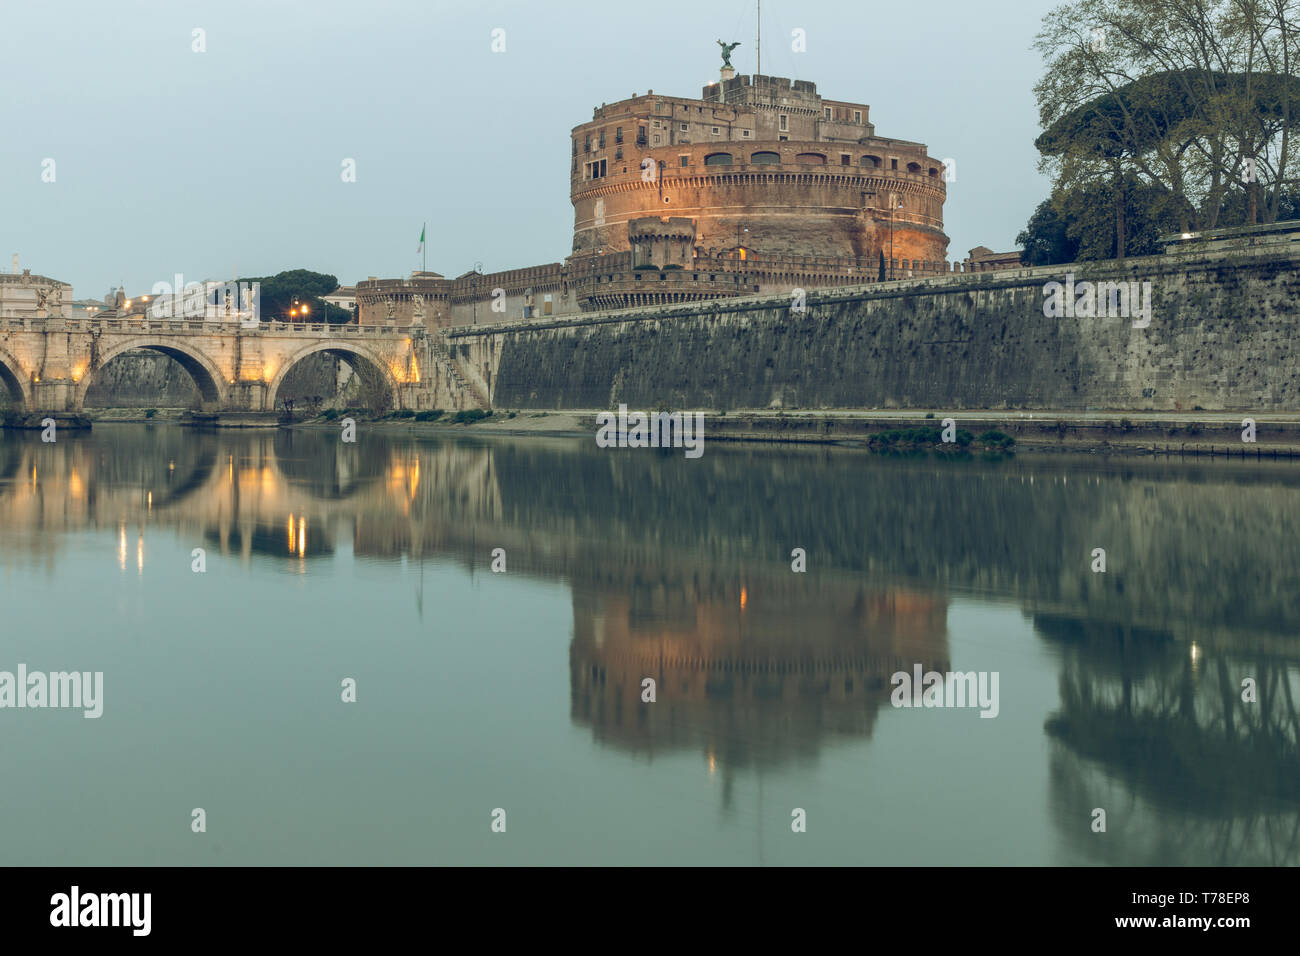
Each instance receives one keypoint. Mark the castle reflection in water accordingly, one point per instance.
(680, 571)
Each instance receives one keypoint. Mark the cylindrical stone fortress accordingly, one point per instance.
(764, 166)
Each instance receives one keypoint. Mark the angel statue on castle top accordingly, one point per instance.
(726, 52)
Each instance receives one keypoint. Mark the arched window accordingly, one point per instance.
(811, 159)
(766, 159)
(717, 159)
(913, 167)
(873, 161)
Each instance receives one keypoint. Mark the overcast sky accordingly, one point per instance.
(167, 160)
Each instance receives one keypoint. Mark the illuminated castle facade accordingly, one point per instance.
(760, 185)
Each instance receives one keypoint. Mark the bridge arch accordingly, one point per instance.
(14, 380)
(206, 374)
(370, 365)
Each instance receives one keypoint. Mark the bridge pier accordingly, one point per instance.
(247, 397)
(54, 395)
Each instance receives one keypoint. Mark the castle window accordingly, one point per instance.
(811, 159)
(870, 161)
(785, 123)
(656, 139)
(618, 154)
(686, 127)
(686, 160)
(575, 147)
(828, 112)
(586, 146)
(845, 159)
(618, 134)
(655, 124)
(857, 116)
(715, 131)
(913, 167)
(602, 168)
(893, 163)
(717, 159)
(602, 139)
(933, 171)
(765, 159)
(744, 132)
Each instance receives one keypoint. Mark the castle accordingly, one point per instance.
(758, 186)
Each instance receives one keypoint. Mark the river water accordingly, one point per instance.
(233, 587)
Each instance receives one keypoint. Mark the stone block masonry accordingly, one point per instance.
(1221, 337)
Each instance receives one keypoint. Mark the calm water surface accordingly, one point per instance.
(522, 690)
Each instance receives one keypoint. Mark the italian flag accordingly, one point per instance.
(420, 248)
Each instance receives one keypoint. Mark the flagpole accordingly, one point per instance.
(424, 247)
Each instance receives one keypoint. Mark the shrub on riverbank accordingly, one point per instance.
(917, 437)
(996, 439)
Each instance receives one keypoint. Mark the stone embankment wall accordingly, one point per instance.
(1219, 338)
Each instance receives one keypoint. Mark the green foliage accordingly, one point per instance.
(330, 414)
(150, 412)
(1078, 225)
(1144, 115)
(279, 291)
(1046, 241)
(430, 416)
(404, 413)
(469, 416)
(996, 439)
(1182, 95)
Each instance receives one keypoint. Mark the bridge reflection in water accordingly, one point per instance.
(680, 572)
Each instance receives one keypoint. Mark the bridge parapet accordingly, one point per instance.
(141, 324)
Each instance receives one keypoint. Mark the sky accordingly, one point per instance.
(230, 161)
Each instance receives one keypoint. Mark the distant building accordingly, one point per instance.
(984, 259)
(345, 297)
(25, 296)
(85, 308)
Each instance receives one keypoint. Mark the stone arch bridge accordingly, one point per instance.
(47, 364)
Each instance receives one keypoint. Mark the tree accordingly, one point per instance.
(1045, 241)
(278, 293)
(1077, 225)
(1192, 97)
(881, 277)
